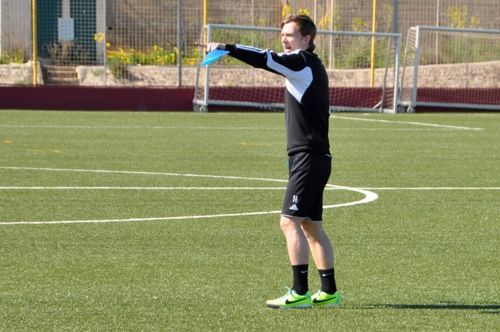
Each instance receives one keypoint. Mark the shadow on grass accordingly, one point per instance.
(484, 308)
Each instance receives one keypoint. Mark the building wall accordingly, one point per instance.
(15, 26)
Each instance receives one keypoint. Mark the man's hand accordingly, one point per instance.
(213, 46)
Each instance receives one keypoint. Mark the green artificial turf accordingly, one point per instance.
(121, 221)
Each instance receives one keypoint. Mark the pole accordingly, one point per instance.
(372, 57)
(315, 11)
(395, 29)
(331, 58)
(34, 32)
(205, 94)
(66, 9)
(438, 23)
(416, 61)
(179, 42)
(395, 23)
(205, 14)
(105, 49)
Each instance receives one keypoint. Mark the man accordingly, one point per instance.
(306, 115)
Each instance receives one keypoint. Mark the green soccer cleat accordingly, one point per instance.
(291, 300)
(325, 300)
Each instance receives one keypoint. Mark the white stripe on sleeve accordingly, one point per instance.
(297, 82)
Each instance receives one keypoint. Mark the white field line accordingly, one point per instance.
(432, 188)
(368, 197)
(103, 171)
(414, 123)
(194, 128)
(133, 127)
(138, 188)
(245, 128)
(106, 221)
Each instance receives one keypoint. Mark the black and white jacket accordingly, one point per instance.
(306, 98)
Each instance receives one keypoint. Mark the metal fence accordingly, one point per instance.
(151, 42)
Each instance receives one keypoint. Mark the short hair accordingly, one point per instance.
(306, 27)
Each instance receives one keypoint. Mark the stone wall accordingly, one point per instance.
(479, 75)
(18, 74)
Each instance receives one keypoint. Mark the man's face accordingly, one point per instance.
(292, 39)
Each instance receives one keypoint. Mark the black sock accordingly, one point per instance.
(300, 283)
(328, 281)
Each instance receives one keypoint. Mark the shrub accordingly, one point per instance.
(15, 56)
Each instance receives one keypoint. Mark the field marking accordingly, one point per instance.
(104, 171)
(107, 221)
(432, 188)
(368, 197)
(138, 188)
(245, 128)
(133, 127)
(427, 124)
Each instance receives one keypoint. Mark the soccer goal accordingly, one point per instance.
(362, 68)
(451, 68)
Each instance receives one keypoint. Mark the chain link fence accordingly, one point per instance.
(152, 42)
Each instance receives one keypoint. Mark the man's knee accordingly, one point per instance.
(314, 231)
(288, 224)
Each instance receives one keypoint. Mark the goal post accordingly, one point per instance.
(359, 79)
(450, 68)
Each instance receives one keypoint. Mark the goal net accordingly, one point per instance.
(361, 68)
(451, 68)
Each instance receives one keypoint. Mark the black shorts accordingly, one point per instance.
(308, 176)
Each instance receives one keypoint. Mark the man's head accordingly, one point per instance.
(297, 32)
